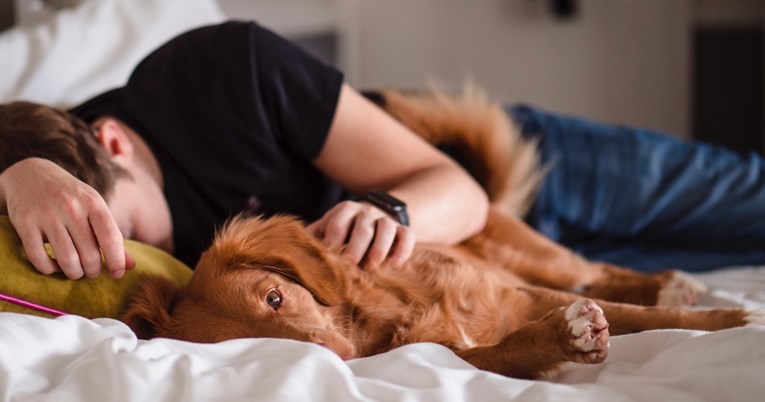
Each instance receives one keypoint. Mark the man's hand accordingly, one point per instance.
(47, 204)
(368, 233)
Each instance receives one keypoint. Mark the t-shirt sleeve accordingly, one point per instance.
(299, 92)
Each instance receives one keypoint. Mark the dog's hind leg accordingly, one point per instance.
(567, 328)
(577, 333)
(507, 241)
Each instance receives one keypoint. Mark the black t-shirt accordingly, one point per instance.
(234, 115)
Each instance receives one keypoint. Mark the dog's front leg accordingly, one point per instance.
(577, 333)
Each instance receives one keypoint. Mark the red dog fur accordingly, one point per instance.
(507, 300)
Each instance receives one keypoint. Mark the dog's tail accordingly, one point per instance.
(478, 134)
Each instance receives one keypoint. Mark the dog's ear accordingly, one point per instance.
(281, 244)
(323, 279)
(148, 310)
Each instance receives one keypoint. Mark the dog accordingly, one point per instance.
(507, 300)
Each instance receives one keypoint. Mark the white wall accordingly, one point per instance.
(620, 61)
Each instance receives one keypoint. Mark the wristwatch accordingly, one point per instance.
(388, 203)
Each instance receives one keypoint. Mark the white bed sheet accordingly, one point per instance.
(72, 358)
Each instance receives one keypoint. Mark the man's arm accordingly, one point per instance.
(367, 150)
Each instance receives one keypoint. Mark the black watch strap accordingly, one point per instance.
(388, 203)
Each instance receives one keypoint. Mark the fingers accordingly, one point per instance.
(34, 247)
(77, 243)
(110, 241)
(404, 246)
(361, 237)
(369, 234)
(45, 203)
(66, 254)
(384, 236)
(129, 261)
(86, 250)
(395, 243)
(338, 222)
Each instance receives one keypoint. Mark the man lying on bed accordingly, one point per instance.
(232, 118)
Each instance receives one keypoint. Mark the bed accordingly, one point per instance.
(67, 358)
(73, 358)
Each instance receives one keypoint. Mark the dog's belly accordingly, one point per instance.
(458, 302)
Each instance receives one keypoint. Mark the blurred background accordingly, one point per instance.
(692, 68)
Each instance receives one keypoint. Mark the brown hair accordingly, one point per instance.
(32, 130)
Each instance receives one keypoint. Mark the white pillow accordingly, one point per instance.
(81, 52)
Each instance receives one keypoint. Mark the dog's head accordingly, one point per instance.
(260, 278)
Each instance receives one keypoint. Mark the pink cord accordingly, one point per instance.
(33, 306)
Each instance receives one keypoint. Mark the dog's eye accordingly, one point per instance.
(274, 299)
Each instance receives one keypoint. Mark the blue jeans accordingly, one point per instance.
(643, 199)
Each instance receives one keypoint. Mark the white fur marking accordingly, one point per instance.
(465, 338)
(756, 318)
(581, 324)
(683, 289)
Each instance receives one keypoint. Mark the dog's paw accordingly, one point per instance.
(681, 289)
(589, 328)
(755, 318)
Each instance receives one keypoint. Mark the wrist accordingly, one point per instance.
(389, 204)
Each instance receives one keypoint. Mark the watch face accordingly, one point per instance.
(388, 199)
(390, 204)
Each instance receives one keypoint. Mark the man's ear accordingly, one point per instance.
(112, 136)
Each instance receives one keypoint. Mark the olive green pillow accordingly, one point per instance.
(92, 298)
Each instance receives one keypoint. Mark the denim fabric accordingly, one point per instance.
(644, 199)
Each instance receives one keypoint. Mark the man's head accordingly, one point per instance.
(32, 130)
(107, 155)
